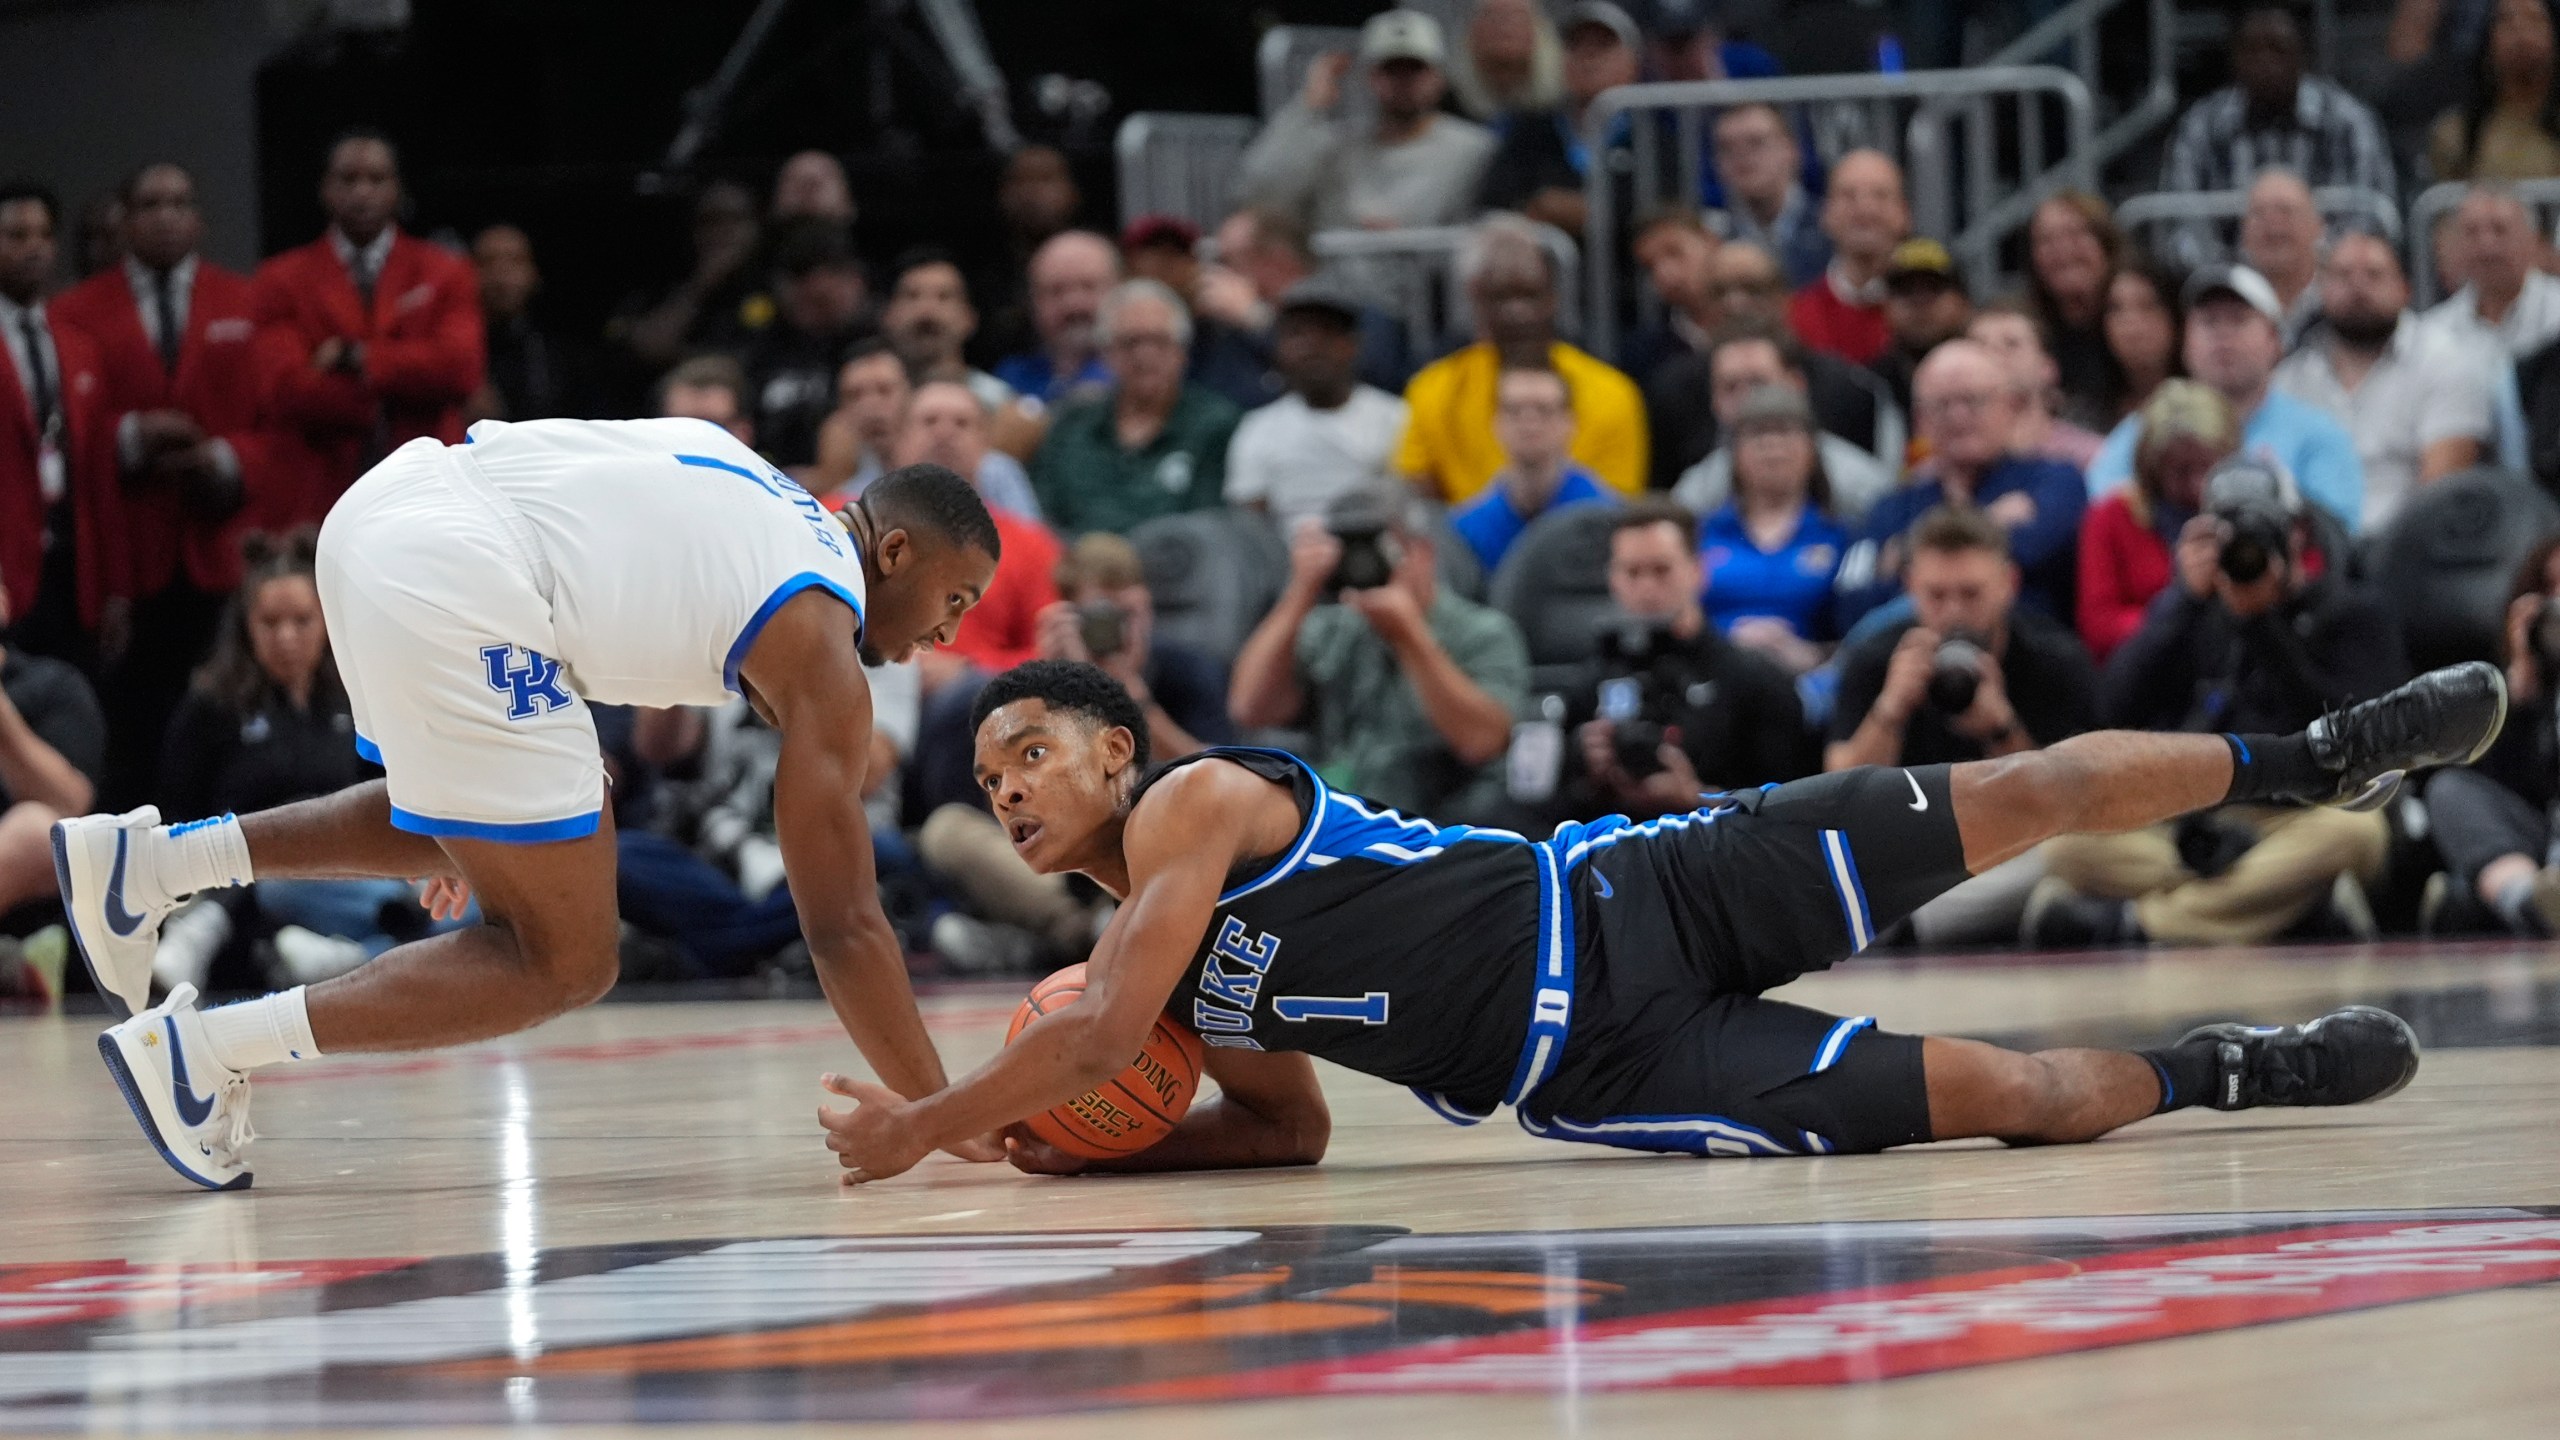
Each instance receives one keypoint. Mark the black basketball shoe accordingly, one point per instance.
(2444, 717)
(2345, 1057)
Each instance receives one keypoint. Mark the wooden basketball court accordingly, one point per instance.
(624, 1221)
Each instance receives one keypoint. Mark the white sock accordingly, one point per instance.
(260, 1032)
(200, 855)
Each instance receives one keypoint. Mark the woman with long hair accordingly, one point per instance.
(2073, 246)
(2145, 328)
(265, 723)
(2509, 128)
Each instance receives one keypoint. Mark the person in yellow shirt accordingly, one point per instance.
(1449, 449)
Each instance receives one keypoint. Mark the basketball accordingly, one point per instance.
(1127, 1114)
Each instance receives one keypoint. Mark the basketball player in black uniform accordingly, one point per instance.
(1605, 982)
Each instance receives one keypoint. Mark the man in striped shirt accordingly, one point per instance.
(2272, 114)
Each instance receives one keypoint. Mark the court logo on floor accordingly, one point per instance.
(960, 1327)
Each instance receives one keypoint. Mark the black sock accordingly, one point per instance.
(2186, 1072)
(2275, 767)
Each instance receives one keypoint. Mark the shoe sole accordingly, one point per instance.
(141, 1107)
(71, 922)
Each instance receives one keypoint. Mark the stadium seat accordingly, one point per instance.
(2448, 560)
(1555, 586)
(1460, 570)
(1214, 574)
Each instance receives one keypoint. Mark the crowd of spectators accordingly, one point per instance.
(1830, 503)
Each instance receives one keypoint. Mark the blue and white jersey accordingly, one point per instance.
(663, 545)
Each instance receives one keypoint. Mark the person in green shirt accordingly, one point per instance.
(1409, 689)
(1150, 445)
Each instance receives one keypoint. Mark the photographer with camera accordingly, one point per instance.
(1105, 615)
(1971, 676)
(1670, 709)
(2494, 823)
(2256, 634)
(1409, 689)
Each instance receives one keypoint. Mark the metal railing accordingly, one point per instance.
(1989, 214)
(1176, 164)
(2074, 29)
(1282, 58)
(2542, 197)
(1413, 275)
(2194, 208)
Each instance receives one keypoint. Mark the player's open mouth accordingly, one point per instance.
(1022, 832)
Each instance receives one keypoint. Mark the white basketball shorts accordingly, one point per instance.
(436, 597)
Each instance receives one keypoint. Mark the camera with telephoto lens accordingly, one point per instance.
(1104, 626)
(1369, 558)
(1955, 672)
(1640, 698)
(2257, 509)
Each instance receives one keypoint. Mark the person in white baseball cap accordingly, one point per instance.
(1406, 165)
(2234, 339)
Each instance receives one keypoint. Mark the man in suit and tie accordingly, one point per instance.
(367, 338)
(173, 332)
(62, 548)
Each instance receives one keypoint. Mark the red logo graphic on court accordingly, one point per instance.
(911, 1327)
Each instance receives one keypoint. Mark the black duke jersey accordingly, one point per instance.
(1396, 947)
(1605, 982)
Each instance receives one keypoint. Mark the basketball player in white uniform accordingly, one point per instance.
(479, 598)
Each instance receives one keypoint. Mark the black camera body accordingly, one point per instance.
(2254, 505)
(1104, 626)
(1369, 560)
(2257, 534)
(1955, 672)
(1641, 696)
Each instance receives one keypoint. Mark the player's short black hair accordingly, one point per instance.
(1075, 685)
(14, 191)
(929, 497)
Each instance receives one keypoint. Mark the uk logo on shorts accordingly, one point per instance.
(531, 687)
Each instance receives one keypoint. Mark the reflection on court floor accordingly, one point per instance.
(983, 1326)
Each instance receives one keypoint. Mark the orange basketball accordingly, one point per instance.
(1124, 1115)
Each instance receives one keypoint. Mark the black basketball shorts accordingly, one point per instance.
(1683, 922)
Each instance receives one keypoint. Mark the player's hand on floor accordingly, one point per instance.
(873, 1140)
(444, 897)
(1035, 1157)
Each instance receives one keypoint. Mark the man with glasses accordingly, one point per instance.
(1967, 408)
(1533, 422)
(1150, 445)
(1749, 291)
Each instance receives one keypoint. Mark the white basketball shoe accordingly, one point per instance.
(195, 1110)
(114, 901)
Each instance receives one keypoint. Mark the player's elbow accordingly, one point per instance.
(1304, 1136)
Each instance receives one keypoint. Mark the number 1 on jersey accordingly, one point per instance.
(1369, 1009)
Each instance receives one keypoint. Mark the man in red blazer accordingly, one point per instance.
(367, 338)
(62, 547)
(173, 333)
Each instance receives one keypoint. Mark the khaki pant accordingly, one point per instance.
(969, 848)
(2299, 856)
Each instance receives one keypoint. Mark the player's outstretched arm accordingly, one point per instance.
(1179, 844)
(1269, 1111)
(808, 677)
